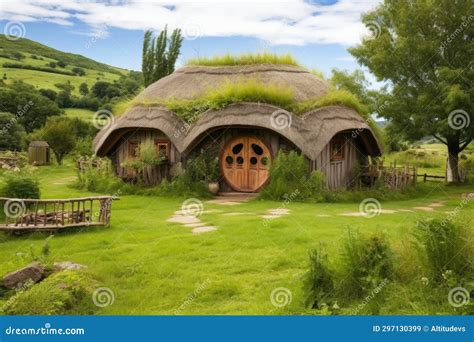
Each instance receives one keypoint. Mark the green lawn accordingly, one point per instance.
(84, 114)
(153, 266)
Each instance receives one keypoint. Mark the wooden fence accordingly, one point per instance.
(53, 214)
(395, 177)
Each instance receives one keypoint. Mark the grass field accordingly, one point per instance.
(153, 266)
(48, 80)
(84, 114)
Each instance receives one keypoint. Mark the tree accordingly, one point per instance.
(84, 89)
(355, 83)
(49, 93)
(159, 54)
(422, 49)
(61, 64)
(29, 107)
(79, 71)
(99, 89)
(59, 134)
(12, 134)
(52, 64)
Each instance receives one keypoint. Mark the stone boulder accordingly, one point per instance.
(34, 272)
(67, 265)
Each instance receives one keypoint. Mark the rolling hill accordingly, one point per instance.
(30, 61)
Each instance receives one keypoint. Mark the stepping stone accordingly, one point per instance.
(424, 208)
(205, 229)
(223, 202)
(436, 204)
(357, 213)
(194, 225)
(279, 211)
(235, 214)
(323, 215)
(384, 211)
(406, 210)
(184, 219)
(270, 217)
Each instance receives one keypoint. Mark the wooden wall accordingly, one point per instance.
(39, 155)
(339, 173)
(120, 154)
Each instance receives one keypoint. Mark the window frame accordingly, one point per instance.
(341, 155)
(165, 142)
(133, 149)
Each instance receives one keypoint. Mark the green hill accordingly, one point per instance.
(33, 63)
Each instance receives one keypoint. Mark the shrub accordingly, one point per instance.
(18, 185)
(12, 134)
(466, 167)
(289, 175)
(440, 243)
(97, 176)
(63, 293)
(367, 262)
(37, 68)
(319, 283)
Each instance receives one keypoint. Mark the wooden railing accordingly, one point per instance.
(395, 177)
(54, 214)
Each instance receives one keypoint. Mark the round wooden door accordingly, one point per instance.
(244, 163)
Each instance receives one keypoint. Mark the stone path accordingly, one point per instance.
(276, 213)
(190, 221)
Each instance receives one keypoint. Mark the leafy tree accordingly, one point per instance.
(17, 55)
(99, 89)
(49, 93)
(79, 71)
(59, 134)
(12, 134)
(355, 83)
(64, 99)
(423, 48)
(66, 86)
(30, 108)
(159, 54)
(61, 64)
(84, 89)
(52, 64)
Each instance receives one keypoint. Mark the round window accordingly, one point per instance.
(240, 160)
(265, 161)
(253, 160)
(229, 160)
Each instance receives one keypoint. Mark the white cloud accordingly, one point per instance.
(293, 22)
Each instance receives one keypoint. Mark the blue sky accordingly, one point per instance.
(317, 33)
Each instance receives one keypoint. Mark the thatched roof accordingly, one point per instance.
(309, 133)
(194, 81)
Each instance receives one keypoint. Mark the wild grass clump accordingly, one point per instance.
(244, 59)
(319, 282)
(289, 177)
(63, 293)
(331, 98)
(444, 247)
(250, 90)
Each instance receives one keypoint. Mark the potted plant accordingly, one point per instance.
(209, 170)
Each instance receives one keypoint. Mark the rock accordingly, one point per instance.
(33, 272)
(67, 265)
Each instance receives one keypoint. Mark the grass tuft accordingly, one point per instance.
(244, 59)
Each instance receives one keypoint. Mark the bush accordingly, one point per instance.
(367, 262)
(319, 283)
(97, 176)
(20, 186)
(37, 68)
(466, 167)
(439, 243)
(63, 293)
(289, 176)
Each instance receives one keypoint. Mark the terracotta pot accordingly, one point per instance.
(213, 188)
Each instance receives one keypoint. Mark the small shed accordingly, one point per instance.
(39, 153)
